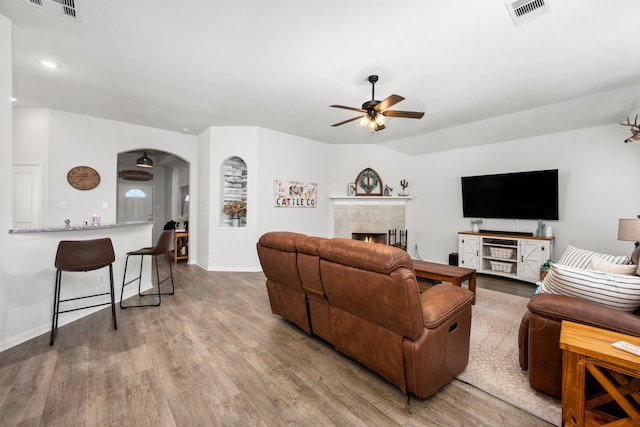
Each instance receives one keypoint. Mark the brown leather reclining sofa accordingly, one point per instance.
(363, 298)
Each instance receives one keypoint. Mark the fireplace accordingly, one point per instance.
(370, 237)
(371, 215)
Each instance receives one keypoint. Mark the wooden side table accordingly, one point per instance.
(586, 348)
(180, 246)
(449, 273)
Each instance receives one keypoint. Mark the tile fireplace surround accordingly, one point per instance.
(368, 215)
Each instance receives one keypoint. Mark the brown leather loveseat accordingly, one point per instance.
(363, 298)
(539, 337)
(584, 287)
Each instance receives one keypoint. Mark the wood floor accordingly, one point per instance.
(213, 354)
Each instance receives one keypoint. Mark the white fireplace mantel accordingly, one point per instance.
(371, 200)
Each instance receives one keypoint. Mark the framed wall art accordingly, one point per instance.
(294, 194)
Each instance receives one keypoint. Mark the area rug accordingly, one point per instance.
(493, 355)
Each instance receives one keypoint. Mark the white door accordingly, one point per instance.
(135, 202)
(27, 195)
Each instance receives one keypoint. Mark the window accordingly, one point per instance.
(135, 192)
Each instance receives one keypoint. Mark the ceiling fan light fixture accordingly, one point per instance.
(374, 111)
(144, 161)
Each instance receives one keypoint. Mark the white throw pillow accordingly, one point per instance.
(598, 264)
(618, 291)
(581, 258)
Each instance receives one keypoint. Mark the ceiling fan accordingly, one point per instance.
(376, 111)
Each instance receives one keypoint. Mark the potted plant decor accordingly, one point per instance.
(235, 210)
(475, 227)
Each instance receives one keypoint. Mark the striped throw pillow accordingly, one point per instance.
(581, 258)
(618, 291)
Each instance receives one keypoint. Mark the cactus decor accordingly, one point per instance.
(404, 184)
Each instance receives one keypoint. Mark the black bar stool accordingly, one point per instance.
(82, 255)
(162, 247)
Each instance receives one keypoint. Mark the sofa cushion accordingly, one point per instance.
(618, 291)
(581, 258)
(366, 256)
(599, 264)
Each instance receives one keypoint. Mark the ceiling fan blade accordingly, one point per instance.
(405, 114)
(388, 102)
(347, 121)
(359, 110)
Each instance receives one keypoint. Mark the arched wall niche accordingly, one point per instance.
(234, 192)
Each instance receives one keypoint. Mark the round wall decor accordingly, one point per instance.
(83, 178)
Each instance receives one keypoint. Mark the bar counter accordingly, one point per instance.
(27, 281)
(81, 227)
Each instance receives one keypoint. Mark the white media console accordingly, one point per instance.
(513, 255)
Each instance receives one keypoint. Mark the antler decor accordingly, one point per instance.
(635, 130)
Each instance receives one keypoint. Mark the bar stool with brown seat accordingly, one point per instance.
(162, 247)
(82, 255)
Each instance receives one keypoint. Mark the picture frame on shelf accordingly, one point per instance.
(369, 183)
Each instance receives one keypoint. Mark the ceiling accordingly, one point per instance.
(280, 64)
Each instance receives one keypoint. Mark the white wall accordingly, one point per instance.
(27, 265)
(7, 254)
(202, 204)
(348, 160)
(597, 174)
(232, 248)
(287, 157)
(269, 155)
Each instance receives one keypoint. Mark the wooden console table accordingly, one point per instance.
(180, 240)
(586, 348)
(449, 273)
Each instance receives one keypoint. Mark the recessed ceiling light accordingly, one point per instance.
(14, 99)
(47, 63)
(185, 130)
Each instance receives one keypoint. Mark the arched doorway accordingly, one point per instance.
(151, 193)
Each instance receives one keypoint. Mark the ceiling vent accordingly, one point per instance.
(66, 8)
(523, 11)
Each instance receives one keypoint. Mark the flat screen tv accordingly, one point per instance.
(521, 195)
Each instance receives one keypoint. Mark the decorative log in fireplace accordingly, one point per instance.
(392, 238)
(370, 237)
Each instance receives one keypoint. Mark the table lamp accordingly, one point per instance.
(629, 230)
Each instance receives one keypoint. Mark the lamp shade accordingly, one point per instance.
(144, 161)
(629, 229)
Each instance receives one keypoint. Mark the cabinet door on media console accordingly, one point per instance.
(533, 254)
(469, 251)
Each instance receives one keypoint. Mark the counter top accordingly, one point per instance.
(78, 227)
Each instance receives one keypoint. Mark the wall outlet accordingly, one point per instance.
(416, 248)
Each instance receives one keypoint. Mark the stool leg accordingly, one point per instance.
(170, 276)
(139, 279)
(56, 306)
(140, 276)
(173, 288)
(113, 297)
(124, 278)
(155, 257)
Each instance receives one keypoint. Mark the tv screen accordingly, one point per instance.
(522, 195)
